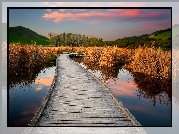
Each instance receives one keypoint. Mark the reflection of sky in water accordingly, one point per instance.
(25, 101)
(142, 108)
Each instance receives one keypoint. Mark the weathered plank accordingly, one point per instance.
(78, 98)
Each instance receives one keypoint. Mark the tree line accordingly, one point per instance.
(70, 39)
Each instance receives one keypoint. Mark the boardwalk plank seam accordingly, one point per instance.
(54, 91)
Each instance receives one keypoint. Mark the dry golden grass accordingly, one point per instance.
(147, 65)
(149, 61)
(27, 56)
(156, 63)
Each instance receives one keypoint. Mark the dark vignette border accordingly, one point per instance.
(8, 8)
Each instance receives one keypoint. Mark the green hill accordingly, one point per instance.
(26, 36)
(161, 34)
(20, 31)
(162, 39)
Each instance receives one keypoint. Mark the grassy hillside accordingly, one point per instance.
(25, 35)
(162, 34)
(26, 40)
(20, 31)
(162, 39)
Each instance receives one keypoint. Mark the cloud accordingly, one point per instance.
(39, 88)
(123, 88)
(65, 16)
(100, 15)
(157, 24)
(44, 81)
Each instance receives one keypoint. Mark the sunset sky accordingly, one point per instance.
(109, 24)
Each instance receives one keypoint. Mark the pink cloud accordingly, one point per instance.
(133, 13)
(62, 16)
(158, 25)
(39, 88)
(123, 88)
(97, 16)
(44, 81)
(157, 14)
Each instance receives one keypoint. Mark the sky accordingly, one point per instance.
(109, 24)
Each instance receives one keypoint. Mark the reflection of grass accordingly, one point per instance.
(51, 59)
(151, 68)
(26, 62)
(152, 87)
(150, 61)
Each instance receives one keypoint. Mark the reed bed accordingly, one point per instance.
(27, 56)
(156, 63)
(150, 61)
(114, 56)
(148, 65)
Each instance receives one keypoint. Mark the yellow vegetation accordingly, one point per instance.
(144, 60)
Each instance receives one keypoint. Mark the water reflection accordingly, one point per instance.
(26, 96)
(148, 87)
(153, 88)
(106, 73)
(25, 75)
(147, 98)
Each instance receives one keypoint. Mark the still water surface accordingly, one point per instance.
(147, 99)
(25, 100)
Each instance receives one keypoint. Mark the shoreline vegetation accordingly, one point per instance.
(158, 39)
(150, 67)
(147, 56)
(149, 61)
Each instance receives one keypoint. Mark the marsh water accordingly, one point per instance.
(148, 99)
(26, 94)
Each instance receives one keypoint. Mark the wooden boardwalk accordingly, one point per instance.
(77, 98)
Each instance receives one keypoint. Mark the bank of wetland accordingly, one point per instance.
(149, 68)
